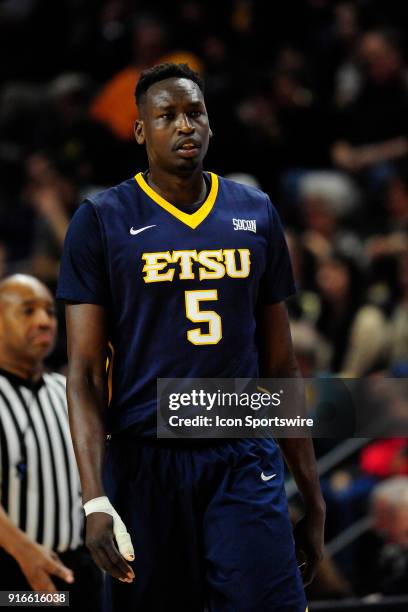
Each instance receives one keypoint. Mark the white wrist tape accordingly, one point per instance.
(122, 537)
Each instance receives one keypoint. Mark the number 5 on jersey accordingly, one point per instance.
(195, 314)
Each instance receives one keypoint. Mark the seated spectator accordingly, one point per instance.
(305, 305)
(385, 458)
(397, 201)
(356, 329)
(386, 567)
(326, 200)
(372, 129)
(394, 225)
(75, 139)
(54, 197)
(342, 68)
(312, 351)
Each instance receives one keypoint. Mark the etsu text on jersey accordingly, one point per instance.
(212, 264)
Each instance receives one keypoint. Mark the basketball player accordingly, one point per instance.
(169, 267)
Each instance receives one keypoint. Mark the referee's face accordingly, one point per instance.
(28, 323)
(174, 126)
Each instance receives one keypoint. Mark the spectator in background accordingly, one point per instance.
(75, 140)
(305, 305)
(356, 330)
(281, 119)
(326, 201)
(311, 350)
(397, 202)
(385, 458)
(302, 135)
(51, 194)
(54, 118)
(384, 562)
(54, 197)
(372, 129)
(114, 104)
(393, 236)
(341, 66)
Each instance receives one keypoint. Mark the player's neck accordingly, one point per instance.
(182, 191)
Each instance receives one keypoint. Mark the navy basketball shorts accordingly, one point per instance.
(209, 525)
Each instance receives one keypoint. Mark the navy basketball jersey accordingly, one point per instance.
(181, 288)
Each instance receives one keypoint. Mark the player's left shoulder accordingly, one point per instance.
(239, 192)
(250, 207)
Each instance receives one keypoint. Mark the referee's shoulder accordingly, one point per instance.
(55, 377)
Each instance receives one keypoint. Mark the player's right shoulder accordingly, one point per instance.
(113, 196)
(96, 205)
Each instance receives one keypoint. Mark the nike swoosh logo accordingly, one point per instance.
(142, 229)
(265, 478)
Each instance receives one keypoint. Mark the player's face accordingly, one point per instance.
(174, 125)
(28, 323)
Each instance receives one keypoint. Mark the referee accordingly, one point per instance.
(41, 523)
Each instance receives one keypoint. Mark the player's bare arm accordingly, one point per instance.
(277, 359)
(87, 394)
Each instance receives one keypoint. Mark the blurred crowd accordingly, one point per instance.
(307, 100)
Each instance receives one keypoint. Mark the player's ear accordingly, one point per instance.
(139, 132)
(211, 133)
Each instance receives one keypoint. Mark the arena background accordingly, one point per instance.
(308, 100)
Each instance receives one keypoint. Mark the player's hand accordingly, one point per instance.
(309, 541)
(38, 564)
(101, 544)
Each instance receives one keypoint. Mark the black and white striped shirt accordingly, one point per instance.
(39, 482)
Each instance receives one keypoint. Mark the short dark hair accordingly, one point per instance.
(160, 73)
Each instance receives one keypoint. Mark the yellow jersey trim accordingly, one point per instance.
(109, 370)
(194, 219)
